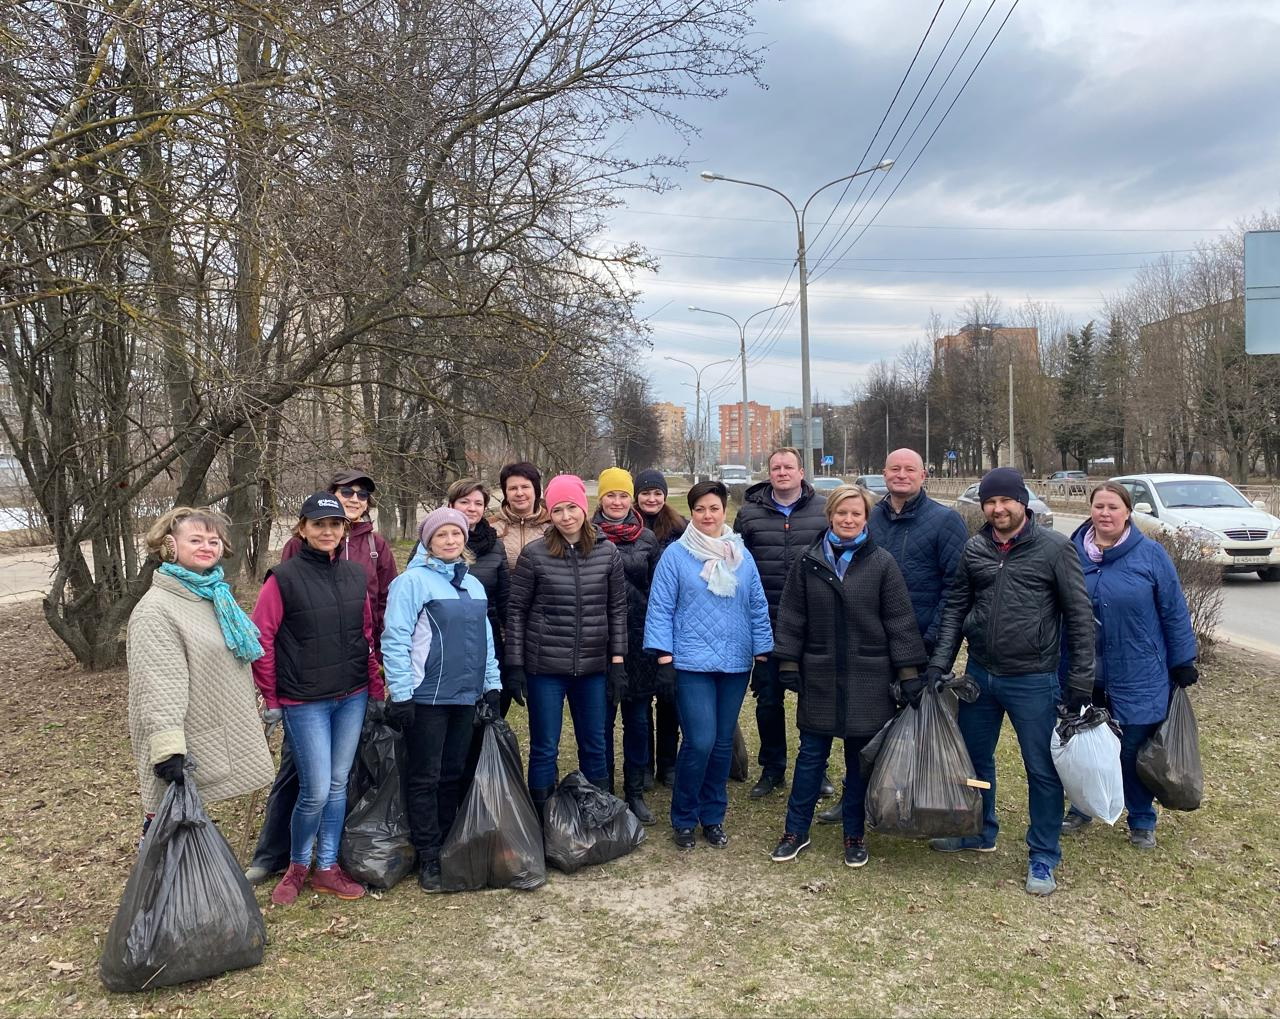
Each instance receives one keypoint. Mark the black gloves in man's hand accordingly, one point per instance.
(911, 690)
(170, 769)
(400, 715)
(789, 676)
(933, 676)
(514, 683)
(1185, 675)
(617, 681)
(667, 681)
(1077, 699)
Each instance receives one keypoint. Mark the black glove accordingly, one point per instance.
(1077, 699)
(911, 690)
(617, 680)
(170, 769)
(1184, 675)
(514, 683)
(789, 676)
(761, 674)
(488, 707)
(933, 676)
(400, 715)
(493, 699)
(667, 681)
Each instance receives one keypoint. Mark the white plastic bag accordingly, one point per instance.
(1086, 753)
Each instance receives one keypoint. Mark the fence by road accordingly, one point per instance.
(1076, 493)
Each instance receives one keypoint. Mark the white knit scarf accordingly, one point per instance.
(720, 557)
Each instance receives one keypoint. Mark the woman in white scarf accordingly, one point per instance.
(707, 619)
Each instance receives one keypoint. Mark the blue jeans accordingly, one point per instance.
(708, 703)
(771, 723)
(1138, 799)
(587, 703)
(324, 735)
(1030, 702)
(806, 784)
(635, 734)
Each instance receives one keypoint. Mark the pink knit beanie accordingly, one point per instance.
(567, 488)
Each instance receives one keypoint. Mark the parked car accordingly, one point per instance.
(1238, 535)
(970, 509)
(827, 485)
(734, 474)
(1067, 482)
(874, 483)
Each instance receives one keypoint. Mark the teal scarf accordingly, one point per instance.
(238, 630)
(847, 547)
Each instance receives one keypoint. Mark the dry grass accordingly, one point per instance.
(1188, 929)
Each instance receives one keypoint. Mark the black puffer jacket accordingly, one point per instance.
(1011, 607)
(567, 616)
(776, 540)
(850, 636)
(490, 568)
(651, 518)
(639, 559)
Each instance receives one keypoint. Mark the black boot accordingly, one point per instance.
(540, 797)
(633, 787)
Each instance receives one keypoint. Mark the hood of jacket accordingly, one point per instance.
(761, 494)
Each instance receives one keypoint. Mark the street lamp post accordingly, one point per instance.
(697, 404)
(806, 404)
(745, 421)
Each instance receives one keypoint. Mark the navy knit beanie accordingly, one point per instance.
(651, 479)
(1006, 481)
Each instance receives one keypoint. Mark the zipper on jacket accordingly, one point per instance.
(995, 598)
(577, 603)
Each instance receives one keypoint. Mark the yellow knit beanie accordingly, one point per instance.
(615, 479)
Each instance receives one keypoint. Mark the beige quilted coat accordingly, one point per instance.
(188, 694)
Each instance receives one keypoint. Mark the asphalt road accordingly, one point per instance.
(1250, 607)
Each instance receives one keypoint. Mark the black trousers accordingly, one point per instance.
(272, 850)
(665, 730)
(437, 745)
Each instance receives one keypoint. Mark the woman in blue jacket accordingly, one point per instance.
(1145, 640)
(707, 619)
(437, 649)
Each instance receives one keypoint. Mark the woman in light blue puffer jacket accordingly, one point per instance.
(437, 648)
(707, 620)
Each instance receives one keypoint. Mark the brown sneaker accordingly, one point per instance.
(335, 881)
(290, 886)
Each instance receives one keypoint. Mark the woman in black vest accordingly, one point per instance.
(845, 630)
(317, 673)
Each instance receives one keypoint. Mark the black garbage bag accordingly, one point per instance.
(954, 689)
(917, 788)
(376, 847)
(1169, 762)
(740, 763)
(585, 825)
(496, 839)
(187, 913)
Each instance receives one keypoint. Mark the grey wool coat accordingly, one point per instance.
(188, 694)
(851, 637)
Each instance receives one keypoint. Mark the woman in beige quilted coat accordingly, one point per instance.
(191, 692)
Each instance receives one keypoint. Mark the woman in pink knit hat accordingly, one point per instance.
(567, 636)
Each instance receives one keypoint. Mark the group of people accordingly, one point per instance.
(853, 604)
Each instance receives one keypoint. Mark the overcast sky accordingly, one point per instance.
(1096, 133)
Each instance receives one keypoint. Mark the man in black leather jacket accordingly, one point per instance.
(1017, 586)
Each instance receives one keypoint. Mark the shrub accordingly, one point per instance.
(1201, 584)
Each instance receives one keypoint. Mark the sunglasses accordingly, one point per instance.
(358, 493)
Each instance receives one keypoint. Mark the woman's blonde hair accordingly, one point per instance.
(846, 492)
(168, 524)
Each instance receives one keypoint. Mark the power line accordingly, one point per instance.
(941, 226)
(765, 259)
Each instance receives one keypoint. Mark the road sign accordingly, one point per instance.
(828, 461)
(951, 454)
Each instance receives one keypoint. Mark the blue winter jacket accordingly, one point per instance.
(437, 645)
(925, 540)
(703, 631)
(1143, 629)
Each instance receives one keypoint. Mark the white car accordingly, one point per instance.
(1240, 536)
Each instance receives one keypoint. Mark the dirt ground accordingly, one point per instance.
(1189, 929)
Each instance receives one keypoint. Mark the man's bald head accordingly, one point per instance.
(903, 476)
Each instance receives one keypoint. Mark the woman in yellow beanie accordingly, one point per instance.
(618, 520)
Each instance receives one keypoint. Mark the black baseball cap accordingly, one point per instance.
(322, 506)
(351, 475)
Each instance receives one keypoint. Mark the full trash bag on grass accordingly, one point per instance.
(1169, 762)
(187, 912)
(917, 788)
(496, 839)
(376, 847)
(585, 825)
(1086, 753)
(739, 764)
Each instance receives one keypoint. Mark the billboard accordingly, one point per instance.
(1262, 292)
(797, 432)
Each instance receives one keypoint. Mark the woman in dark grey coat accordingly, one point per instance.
(845, 629)
(567, 636)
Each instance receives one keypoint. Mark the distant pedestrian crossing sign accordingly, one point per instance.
(828, 461)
